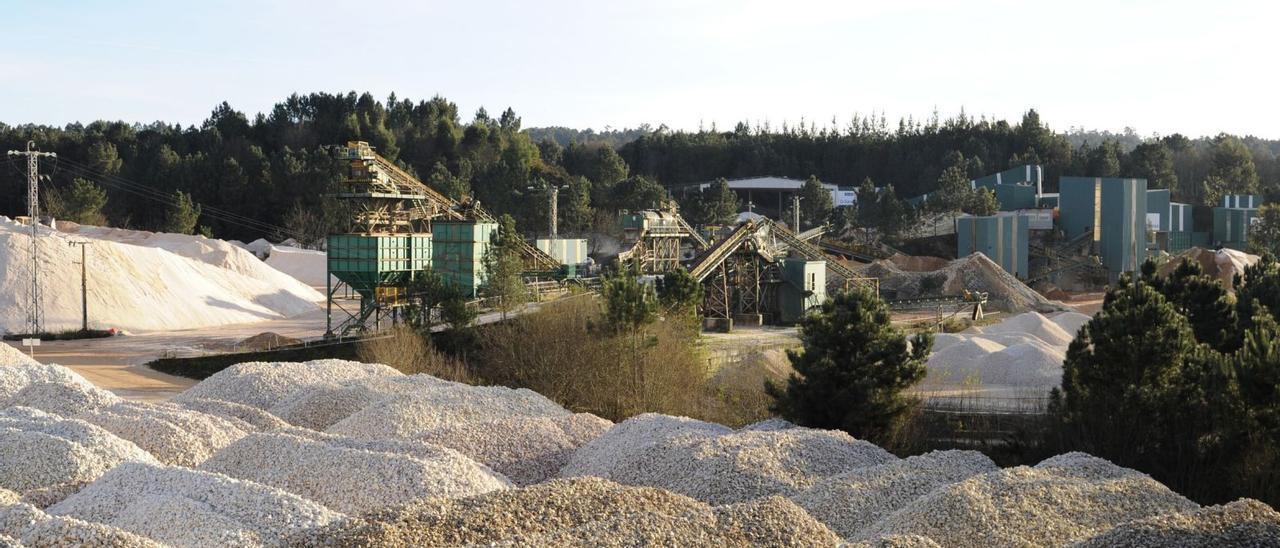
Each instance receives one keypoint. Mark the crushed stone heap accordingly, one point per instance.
(39, 450)
(185, 507)
(579, 511)
(24, 524)
(172, 434)
(353, 476)
(1245, 522)
(1061, 500)
(264, 384)
(725, 467)
(852, 501)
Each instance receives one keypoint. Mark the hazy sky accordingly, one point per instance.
(1192, 67)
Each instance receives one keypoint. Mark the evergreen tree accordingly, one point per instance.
(815, 204)
(637, 193)
(1264, 235)
(575, 206)
(1154, 162)
(83, 203)
(1104, 161)
(852, 370)
(678, 290)
(1204, 302)
(981, 202)
(1125, 381)
(182, 215)
(719, 204)
(503, 281)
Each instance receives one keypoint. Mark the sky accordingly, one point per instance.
(1197, 68)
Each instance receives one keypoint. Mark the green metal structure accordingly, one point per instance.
(1002, 238)
(458, 254)
(1113, 211)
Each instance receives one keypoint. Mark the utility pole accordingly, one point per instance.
(84, 285)
(553, 200)
(35, 312)
(795, 212)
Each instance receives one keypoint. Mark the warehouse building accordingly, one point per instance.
(1113, 211)
(1001, 237)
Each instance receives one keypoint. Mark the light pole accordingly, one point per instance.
(84, 284)
(553, 200)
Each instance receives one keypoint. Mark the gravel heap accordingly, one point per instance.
(8, 497)
(321, 406)
(39, 450)
(1245, 522)
(61, 398)
(773, 521)
(172, 434)
(852, 501)
(725, 467)
(768, 425)
(1071, 321)
(896, 541)
(1034, 324)
(430, 407)
(1063, 499)
(351, 479)
(580, 511)
(975, 273)
(24, 524)
(249, 419)
(191, 508)
(10, 355)
(264, 384)
(622, 447)
(527, 450)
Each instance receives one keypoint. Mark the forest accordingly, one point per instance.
(243, 177)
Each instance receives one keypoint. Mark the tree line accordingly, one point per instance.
(252, 176)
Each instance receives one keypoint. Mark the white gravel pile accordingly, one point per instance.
(1063, 499)
(249, 419)
(10, 355)
(773, 521)
(768, 425)
(185, 507)
(351, 479)
(61, 398)
(721, 467)
(622, 447)
(39, 450)
(1035, 324)
(1245, 522)
(578, 512)
(23, 524)
(321, 406)
(8, 497)
(959, 361)
(527, 450)
(896, 541)
(172, 434)
(432, 407)
(265, 384)
(1071, 321)
(852, 501)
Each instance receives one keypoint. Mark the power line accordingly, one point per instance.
(35, 310)
(137, 189)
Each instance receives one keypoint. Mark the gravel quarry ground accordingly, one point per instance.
(335, 453)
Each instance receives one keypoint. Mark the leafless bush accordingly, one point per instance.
(411, 352)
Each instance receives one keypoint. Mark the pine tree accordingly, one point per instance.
(852, 370)
(182, 215)
(1204, 302)
(503, 281)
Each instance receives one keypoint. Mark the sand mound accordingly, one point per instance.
(351, 479)
(60, 398)
(527, 450)
(1244, 522)
(1222, 264)
(39, 450)
(1034, 324)
(1068, 498)
(147, 284)
(432, 407)
(852, 501)
(730, 467)
(15, 377)
(170, 433)
(917, 263)
(191, 508)
(306, 265)
(1024, 365)
(266, 341)
(30, 526)
(264, 384)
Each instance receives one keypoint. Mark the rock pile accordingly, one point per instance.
(349, 476)
(172, 434)
(431, 407)
(527, 450)
(1245, 522)
(852, 501)
(23, 524)
(728, 467)
(1061, 500)
(185, 507)
(264, 384)
(40, 451)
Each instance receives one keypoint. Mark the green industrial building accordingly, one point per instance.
(1114, 211)
(1231, 226)
(458, 252)
(1024, 175)
(1014, 197)
(1002, 238)
(804, 287)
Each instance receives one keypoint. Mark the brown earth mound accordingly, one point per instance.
(267, 341)
(973, 273)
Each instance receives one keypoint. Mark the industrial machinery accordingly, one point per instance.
(654, 241)
(390, 243)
